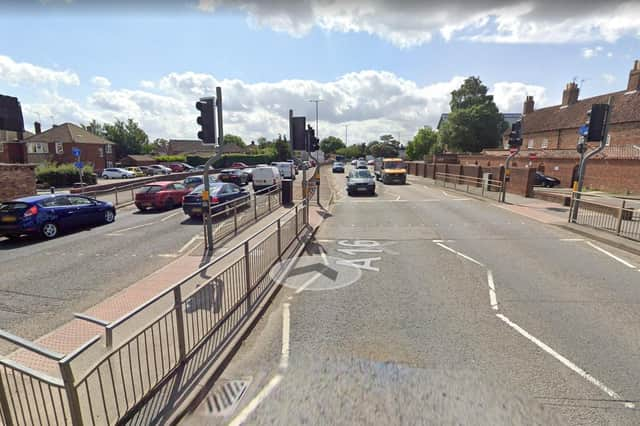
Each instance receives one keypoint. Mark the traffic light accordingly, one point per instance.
(582, 145)
(596, 122)
(314, 143)
(298, 133)
(515, 137)
(207, 121)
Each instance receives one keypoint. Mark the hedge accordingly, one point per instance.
(228, 159)
(170, 158)
(64, 175)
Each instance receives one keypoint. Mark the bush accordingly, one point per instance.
(64, 175)
(170, 159)
(196, 160)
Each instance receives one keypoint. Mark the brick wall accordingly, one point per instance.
(420, 168)
(621, 134)
(18, 180)
(521, 181)
(430, 171)
(473, 171)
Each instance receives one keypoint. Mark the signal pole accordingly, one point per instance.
(317, 101)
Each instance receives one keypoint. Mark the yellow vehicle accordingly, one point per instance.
(136, 170)
(391, 170)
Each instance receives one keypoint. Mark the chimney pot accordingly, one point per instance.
(634, 77)
(570, 94)
(37, 127)
(528, 105)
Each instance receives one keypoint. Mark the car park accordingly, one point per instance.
(239, 165)
(546, 181)
(237, 176)
(222, 197)
(146, 170)
(361, 181)
(265, 177)
(137, 171)
(175, 167)
(47, 215)
(160, 195)
(337, 167)
(158, 169)
(193, 181)
(117, 173)
(187, 167)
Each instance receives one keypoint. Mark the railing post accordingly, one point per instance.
(620, 216)
(116, 192)
(255, 206)
(72, 393)
(132, 197)
(279, 239)
(296, 220)
(269, 200)
(4, 406)
(177, 305)
(235, 219)
(247, 271)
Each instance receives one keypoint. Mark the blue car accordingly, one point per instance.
(220, 194)
(47, 215)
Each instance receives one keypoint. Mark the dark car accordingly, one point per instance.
(192, 181)
(546, 181)
(239, 177)
(221, 195)
(361, 181)
(47, 214)
(338, 167)
(160, 195)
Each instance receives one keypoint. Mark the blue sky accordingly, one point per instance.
(246, 47)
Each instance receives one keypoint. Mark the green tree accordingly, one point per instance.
(282, 148)
(382, 149)
(158, 146)
(475, 123)
(331, 144)
(128, 136)
(95, 128)
(236, 140)
(423, 143)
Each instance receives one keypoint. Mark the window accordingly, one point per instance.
(545, 143)
(1, 147)
(59, 148)
(56, 202)
(178, 186)
(37, 148)
(531, 144)
(107, 149)
(100, 152)
(109, 163)
(79, 201)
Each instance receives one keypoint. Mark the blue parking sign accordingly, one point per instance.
(75, 152)
(79, 165)
(584, 130)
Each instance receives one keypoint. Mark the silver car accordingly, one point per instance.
(361, 181)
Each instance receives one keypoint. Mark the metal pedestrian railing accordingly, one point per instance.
(617, 215)
(103, 384)
(484, 186)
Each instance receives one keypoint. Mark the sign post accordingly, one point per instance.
(79, 165)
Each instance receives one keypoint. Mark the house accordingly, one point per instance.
(56, 145)
(137, 160)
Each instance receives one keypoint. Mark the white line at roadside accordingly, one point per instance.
(611, 255)
(164, 219)
(188, 243)
(493, 299)
(564, 360)
(572, 239)
(471, 259)
(284, 359)
(261, 396)
(119, 231)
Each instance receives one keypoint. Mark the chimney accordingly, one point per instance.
(37, 127)
(528, 105)
(634, 77)
(570, 94)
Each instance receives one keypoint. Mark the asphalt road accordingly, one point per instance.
(42, 283)
(462, 313)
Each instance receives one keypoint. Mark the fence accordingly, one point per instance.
(484, 187)
(620, 216)
(102, 384)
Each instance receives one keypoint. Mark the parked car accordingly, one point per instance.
(371, 163)
(160, 195)
(295, 166)
(48, 214)
(146, 170)
(249, 172)
(158, 169)
(354, 162)
(239, 165)
(192, 181)
(286, 169)
(546, 181)
(237, 176)
(117, 173)
(265, 177)
(188, 167)
(136, 171)
(175, 167)
(221, 195)
(361, 164)
(361, 181)
(338, 167)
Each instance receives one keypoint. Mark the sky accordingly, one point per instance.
(379, 66)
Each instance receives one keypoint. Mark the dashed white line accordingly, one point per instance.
(309, 282)
(611, 255)
(572, 239)
(471, 259)
(564, 360)
(119, 231)
(170, 216)
(284, 359)
(493, 299)
(261, 396)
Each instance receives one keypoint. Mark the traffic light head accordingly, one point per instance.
(596, 122)
(207, 121)
(515, 137)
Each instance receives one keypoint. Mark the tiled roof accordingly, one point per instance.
(625, 107)
(68, 133)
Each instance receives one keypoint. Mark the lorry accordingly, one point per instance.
(390, 170)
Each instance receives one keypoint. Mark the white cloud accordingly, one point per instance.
(589, 52)
(609, 78)
(509, 96)
(24, 73)
(407, 23)
(146, 84)
(101, 82)
(609, 54)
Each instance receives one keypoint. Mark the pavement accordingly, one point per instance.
(427, 306)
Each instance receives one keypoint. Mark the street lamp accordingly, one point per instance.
(346, 127)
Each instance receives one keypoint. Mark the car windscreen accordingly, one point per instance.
(150, 189)
(13, 207)
(360, 174)
(212, 189)
(394, 165)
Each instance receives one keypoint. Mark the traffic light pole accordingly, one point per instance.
(507, 163)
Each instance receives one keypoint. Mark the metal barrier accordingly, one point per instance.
(102, 384)
(616, 215)
(489, 188)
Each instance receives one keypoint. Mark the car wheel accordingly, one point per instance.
(109, 216)
(49, 230)
(105, 176)
(547, 185)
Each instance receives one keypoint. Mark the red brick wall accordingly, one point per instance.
(621, 134)
(12, 153)
(430, 171)
(420, 170)
(619, 176)
(473, 171)
(521, 181)
(18, 180)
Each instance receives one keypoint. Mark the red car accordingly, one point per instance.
(160, 195)
(175, 167)
(239, 166)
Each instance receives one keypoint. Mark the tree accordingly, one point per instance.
(475, 122)
(382, 149)
(236, 140)
(129, 137)
(423, 143)
(158, 146)
(331, 144)
(283, 149)
(95, 128)
(351, 151)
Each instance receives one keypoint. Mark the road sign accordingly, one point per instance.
(584, 130)
(513, 150)
(533, 156)
(79, 165)
(75, 152)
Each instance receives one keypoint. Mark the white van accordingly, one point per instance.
(264, 177)
(287, 169)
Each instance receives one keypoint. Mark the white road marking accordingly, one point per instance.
(443, 241)
(284, 359)
(493, 299)
(564, 360)
(170, 255)
(471, 259)
(361, 263)
(571, 239)
(324, 258)
(170, 216)
(308, 282)
(120, 231)
(261, 396)
(611, 255)
(398, 198)
(188, 243)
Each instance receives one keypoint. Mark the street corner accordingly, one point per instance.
(315, 273)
